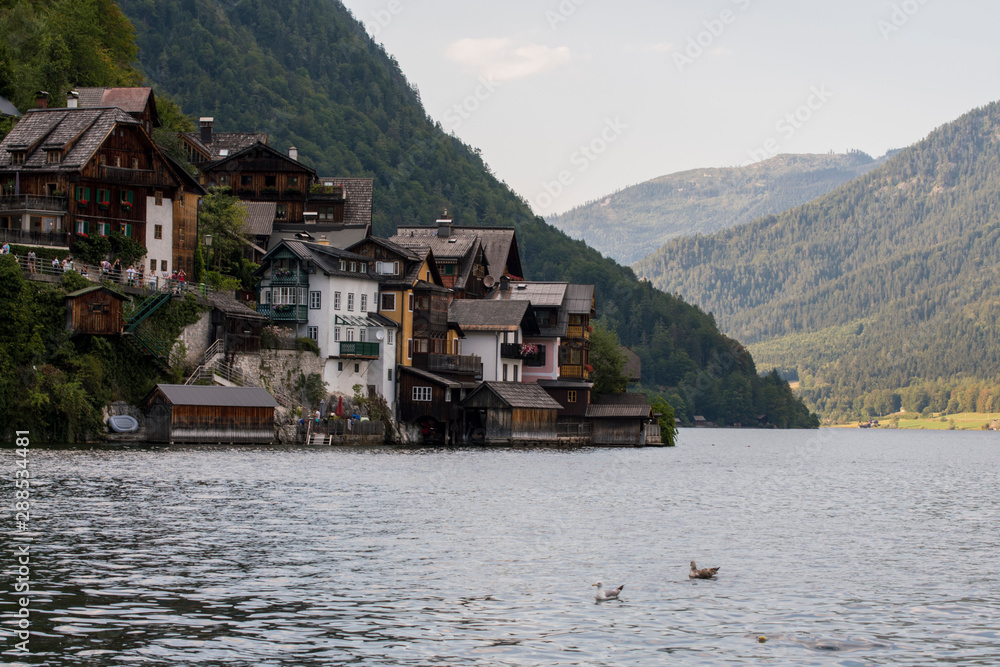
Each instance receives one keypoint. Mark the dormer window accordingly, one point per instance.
(17, 157)
(53, 157)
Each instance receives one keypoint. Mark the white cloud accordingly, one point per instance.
(502, 59)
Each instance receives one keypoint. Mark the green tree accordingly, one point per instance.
(608, 360)
(668, 424)
(222, 216)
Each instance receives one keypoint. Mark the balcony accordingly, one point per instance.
(526, 351)
(469, 364)
(358, 349)
(283, 313)
(574, 372)
(290, 279)
(20, 236)
(34, 203)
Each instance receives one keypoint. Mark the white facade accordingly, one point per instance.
(487, 346)
(159, 235)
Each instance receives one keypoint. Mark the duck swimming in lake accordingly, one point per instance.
(603, 595)
(704, 573)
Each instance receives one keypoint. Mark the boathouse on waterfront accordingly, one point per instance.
(623, 420)
(202, 414)
(508, 413)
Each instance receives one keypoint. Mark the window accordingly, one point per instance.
(82, 195)
(104, 228)
(516, 368)
(53, 157)
(362, 334)
(363, 267)
(103, 197)
(336, 334)
(285, 296)
(224, 180)
(127, 230)
(389, 335)
(354, 267)
(152, 266)
(17, 157)
(280, 211)
(420, 345)
(410, 302)
(135, 163)
(82, 227)
(364, 303)
(571, 396)
(157, 231)
(326, 213)
(350, 301)
(538, 359)
(270, 181)
(388, 301)
(303, 293)
(246, 180)
(336, 300)
(158, 198)
(118, 160)
(340, 365)
(266, 294)
(126, 198)
(449, 269)
(343, 265)
(313, 332)
(357, 368)
(350, 333)
(421, 393)
(293, 181)
(315, 300)
(447, 395)
(409, 348)
(505, 372)
(390, 375)
(163, 265)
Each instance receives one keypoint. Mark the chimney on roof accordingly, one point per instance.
(293, 153)
(504, 283)
(72, 99)
(323, 240)
(206, 129)
(42, 99)
(444, 225)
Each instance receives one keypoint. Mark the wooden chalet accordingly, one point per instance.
(208, 146)
(71, 172)
(461, 258)
(499, 245)
(510, 413)
(202, 414)
(138, 102)
(95, 310)
(623, 420)
(234, 324)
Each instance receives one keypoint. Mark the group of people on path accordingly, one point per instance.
(134, 276)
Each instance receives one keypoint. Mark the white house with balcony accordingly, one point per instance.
(331, 296)
(495, 331)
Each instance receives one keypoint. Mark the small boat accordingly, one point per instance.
(123, 424)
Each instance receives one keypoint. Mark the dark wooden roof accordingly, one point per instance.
(232, 307)
(518, 395)
(358, 196)
(619, 411)
(131, 100)
(439, 380)
(580, 299)
(259, 217)
(499, 245)
(224, 144)
(95, 288)
(325, 258)
(78, 133)
(242, 397)
(257, 157)
(488, 315)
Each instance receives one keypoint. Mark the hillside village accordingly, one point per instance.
(431, 335)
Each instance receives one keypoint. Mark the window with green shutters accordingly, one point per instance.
(82, 195)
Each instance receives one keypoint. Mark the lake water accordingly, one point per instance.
(840, 547)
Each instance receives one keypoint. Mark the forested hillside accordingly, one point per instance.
(886, 283)
(633, 223)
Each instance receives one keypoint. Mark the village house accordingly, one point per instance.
(623, 420)
(330, 295)
(71, 173)
(499, 245)
(496, 332)
(510, 413)
(461, 259)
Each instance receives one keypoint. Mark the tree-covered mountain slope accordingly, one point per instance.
(307, 73)
(888, 281)
(634, 222)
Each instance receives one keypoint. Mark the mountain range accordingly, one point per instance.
(887, 283)
(636, 221)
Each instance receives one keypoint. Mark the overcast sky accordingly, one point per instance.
(571, 100)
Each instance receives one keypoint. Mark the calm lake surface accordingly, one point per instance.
(841, 547)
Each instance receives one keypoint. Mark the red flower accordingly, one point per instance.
(590, 369)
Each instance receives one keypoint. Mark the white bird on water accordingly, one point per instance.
(704, 573)
(603, 595)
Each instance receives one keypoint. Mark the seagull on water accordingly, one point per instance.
(603, 595)
(704, 573)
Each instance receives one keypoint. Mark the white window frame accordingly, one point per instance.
(303, 296)
(382, 298)
(315, 300)
(362, 334)
(390, 334)
(364, 303)
(350, 302)
(423, 394)
(350, 334)
(336, 334)
(313, 332)
(336, 300)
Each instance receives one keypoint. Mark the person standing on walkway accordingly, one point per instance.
(31, 261)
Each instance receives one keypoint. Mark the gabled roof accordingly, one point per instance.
(486, 315)
(518, 395)
(432, 377)
(224, 144)
(540, 294)
(402, 251)
(358, 197)
(243, 397)
(340, 236)
(462, 250)
(259, 151)
(580, 299)
(95, 288)
(259, 217)
(227, 304)
(77, 133)
(499, 245)
(131, 100)
(324, 257)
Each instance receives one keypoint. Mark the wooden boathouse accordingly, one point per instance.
(623, 420)
(202, 414)
(511, 413)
